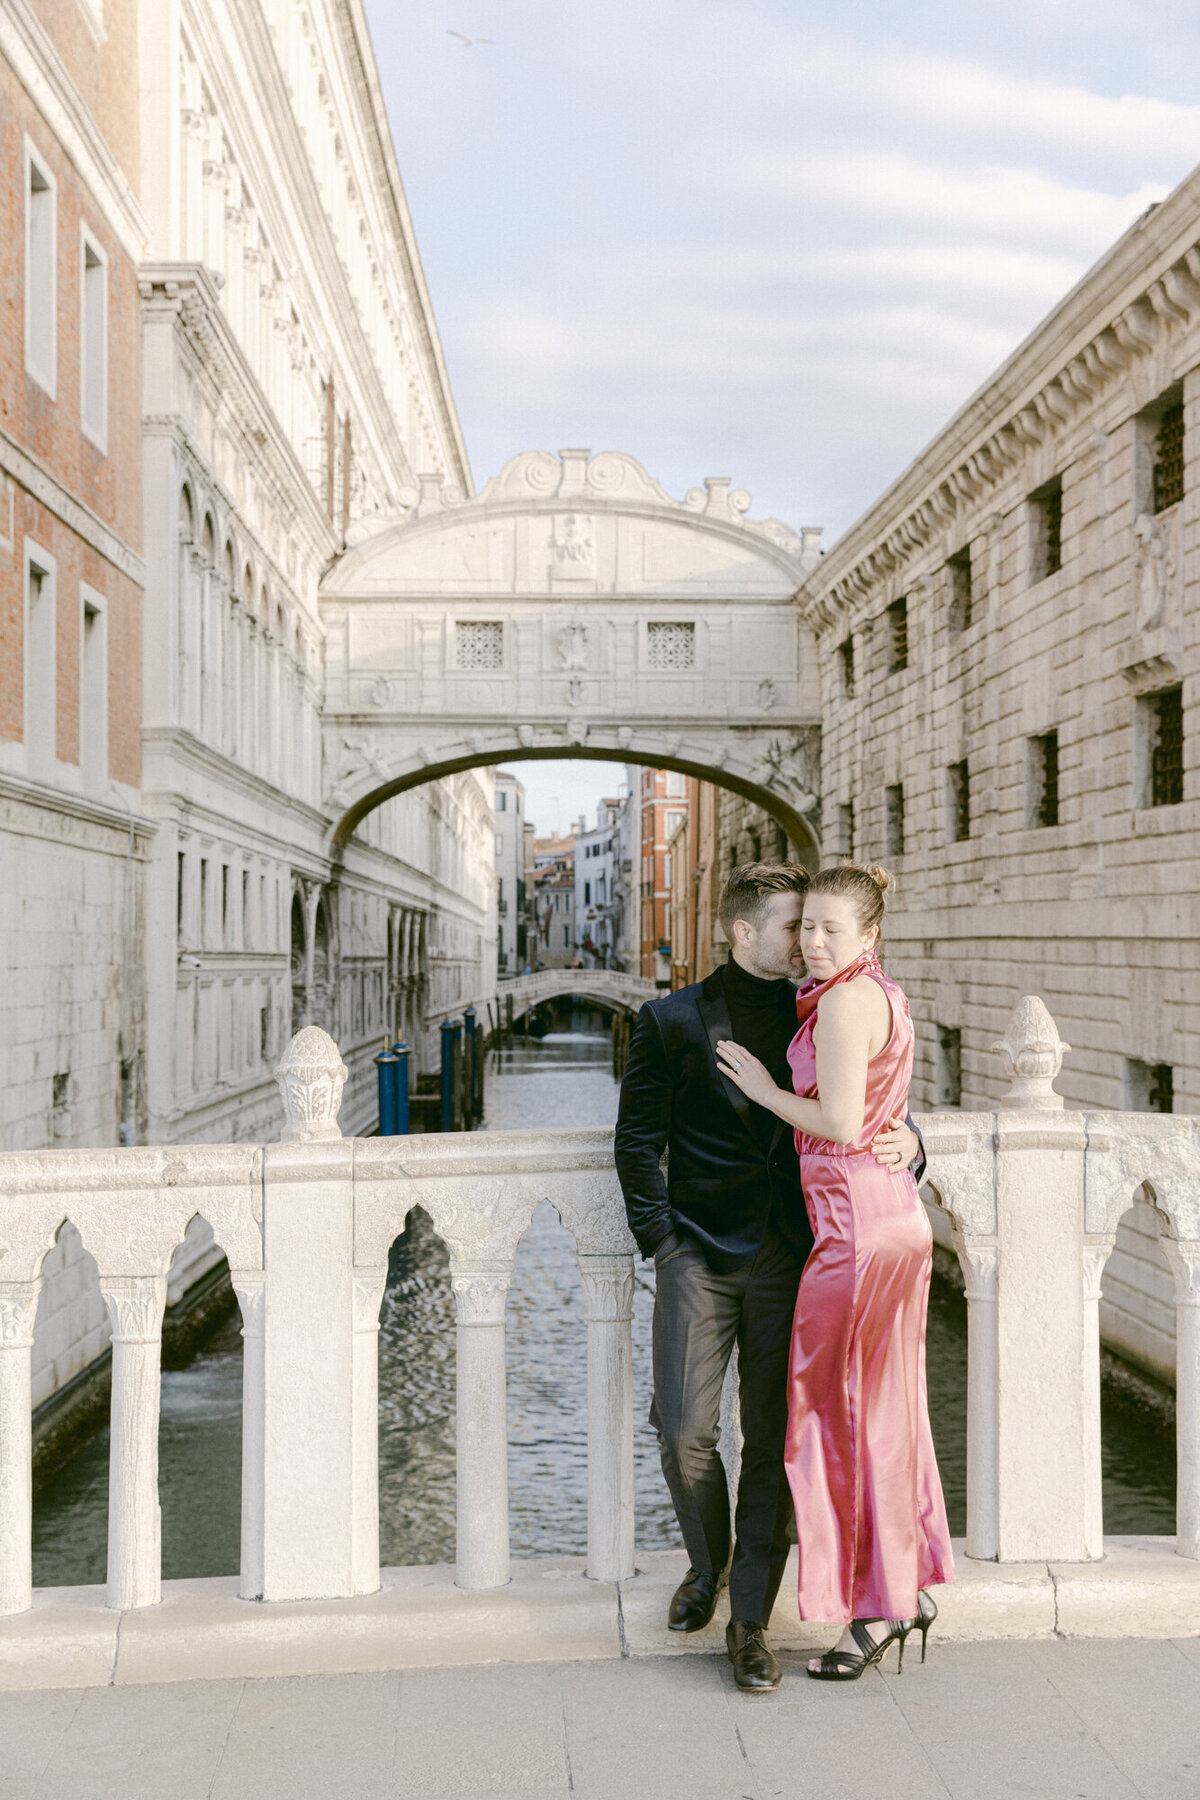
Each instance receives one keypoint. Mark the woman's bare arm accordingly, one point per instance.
(852, 1029)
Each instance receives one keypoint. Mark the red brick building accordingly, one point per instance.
(664, 804)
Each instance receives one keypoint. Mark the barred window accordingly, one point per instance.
(1162, 724)
(959, 566)
(1043, 779)
(897, 614)
(671, 646)
(846, 662)
(846, 829)
(479, 644)
(1046, 507)
(1150, 1087)
(1168, 459)
(894, 819)
(958, 798)
(949, 1065)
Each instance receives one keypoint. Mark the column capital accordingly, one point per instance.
(480, 1295)
(18, 1310)
(135, 1306)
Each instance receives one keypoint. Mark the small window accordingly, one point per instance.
(897, 614)
(676, 785)
(41, 663)
(479, 644)
(845, 652)
(958, 801)
(1046, 520)
(1150, 1087)
(180, 871)
(949, 1065)
(1168, 458)
(247, 933)
(894, 819)
(846, 829)
(93, 696)
(671, 646)
(1160, 729)
(41, 272)
(587, 893)
(224, 901)
(93, 345)
(959, 567)
(502, 801)
(1043, 779)
(202, 934)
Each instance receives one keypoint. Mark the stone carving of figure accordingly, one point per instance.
(572, 543)
(1154, 565)
(766, 695)
(785, 770)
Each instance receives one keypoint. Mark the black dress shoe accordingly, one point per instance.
(754, 1668)
(694, 1601)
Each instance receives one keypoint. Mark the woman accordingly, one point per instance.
(869, 1509)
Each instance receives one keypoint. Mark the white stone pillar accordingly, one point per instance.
(1184, 1257)
(1044, 1429)
(983, 1472)
(308, 1393)
(608, 1303)
(368, 1297)
(250, 1288)
(18, 1309)
(480, 1299)
(135, 1308)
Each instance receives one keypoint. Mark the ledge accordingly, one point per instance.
(549, 1611)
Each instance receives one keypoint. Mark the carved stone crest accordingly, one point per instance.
(1154, 573)
(573, 646)
(573, 546)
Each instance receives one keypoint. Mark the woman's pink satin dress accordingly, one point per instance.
(869, 1510)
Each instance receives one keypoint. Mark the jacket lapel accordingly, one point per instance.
(714, 1016)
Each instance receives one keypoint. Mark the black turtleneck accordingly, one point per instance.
(763, 1017)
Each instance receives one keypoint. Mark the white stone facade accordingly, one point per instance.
(598, 921)
(511, 904)
(1009, 663)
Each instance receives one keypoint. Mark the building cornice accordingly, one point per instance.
(30, 473)
(1137, 302)
(189, 752)
(45, 78)
(42, 799)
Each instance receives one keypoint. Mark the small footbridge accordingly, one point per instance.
(609, 988)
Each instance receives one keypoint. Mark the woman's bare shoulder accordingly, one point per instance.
(859, 997)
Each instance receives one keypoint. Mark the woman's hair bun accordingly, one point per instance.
(880, 876)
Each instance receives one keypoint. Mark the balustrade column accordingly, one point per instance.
(608, 1302)
(135, 1308)
(480, 1299)
(18, 1309)
(1184, 1258)
(250, 1288)
(983, 1466)
(1095, 1256)
(369, 1285)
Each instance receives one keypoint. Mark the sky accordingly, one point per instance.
(778, 241)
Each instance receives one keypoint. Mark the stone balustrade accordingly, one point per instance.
(1034, 1193)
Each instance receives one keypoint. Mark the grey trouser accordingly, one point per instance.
(698, 1317)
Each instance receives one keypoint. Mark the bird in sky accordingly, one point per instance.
(469, 43)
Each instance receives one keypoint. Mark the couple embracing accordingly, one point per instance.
(789, 1224)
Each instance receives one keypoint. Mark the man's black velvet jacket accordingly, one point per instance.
(724, 1179)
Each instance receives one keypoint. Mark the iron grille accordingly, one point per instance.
(1048, 548)
(894, 810)
(846, 658)
(898, 635)
(1046, 749)
(846, 824)
(1162, 1088)
(949, 1065)
(1168, 459)
(1166, 756)
(479, 644)
(671, 646)
(960, 801)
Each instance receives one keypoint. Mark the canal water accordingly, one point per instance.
(563, 1079)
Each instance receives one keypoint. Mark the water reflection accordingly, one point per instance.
(564, 1079)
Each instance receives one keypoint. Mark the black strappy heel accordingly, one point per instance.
(927, 1612)
(843, 1665)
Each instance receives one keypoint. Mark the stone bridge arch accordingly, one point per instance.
(611, 989)
(573, 609)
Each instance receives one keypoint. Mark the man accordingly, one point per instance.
(729, 1234)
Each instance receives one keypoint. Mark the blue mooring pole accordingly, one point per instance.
(403, 1056)
(388, 1066)
(472, 1055)
(449, 1032)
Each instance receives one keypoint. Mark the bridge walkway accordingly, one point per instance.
(1098, 1719)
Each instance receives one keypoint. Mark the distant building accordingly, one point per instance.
(597, 911)
(663, 805)
(554, 901)
(510, 874)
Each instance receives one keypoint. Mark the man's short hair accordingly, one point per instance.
(749, 889)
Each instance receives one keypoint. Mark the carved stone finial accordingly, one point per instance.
(311, 1078)
(1032, 1053)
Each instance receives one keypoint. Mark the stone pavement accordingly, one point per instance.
(1100, 1719)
